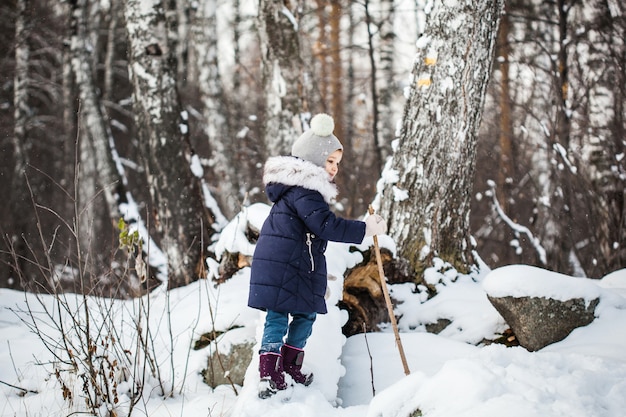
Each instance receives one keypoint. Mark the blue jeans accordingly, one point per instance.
(277, 325)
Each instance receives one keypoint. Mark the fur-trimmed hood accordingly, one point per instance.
(291, 171)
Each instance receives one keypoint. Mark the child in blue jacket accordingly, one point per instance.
(288, 273)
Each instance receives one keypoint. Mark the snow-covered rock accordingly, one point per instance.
(535, 305)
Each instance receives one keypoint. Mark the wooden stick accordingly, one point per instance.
(392, 316)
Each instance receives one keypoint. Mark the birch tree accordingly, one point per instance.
(426, 187)
(336, 73)
(566, 137)
(385, 133)
(600, 66)
(113, 17)
(379, 24)
(558, 213)
(506, 163)
(612, 166)
(282, 76)
(181, 220)
(215, 124)
(20, 201)
(100, 174)
(560, 121)
(96, 168)
(70, 109)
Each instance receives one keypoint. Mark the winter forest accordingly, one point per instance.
(516, 127)
(133, 134)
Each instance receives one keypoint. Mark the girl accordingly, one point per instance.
(288, 273)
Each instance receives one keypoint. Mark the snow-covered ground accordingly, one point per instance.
(452, 374)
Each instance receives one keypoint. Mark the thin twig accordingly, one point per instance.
(194, 326)
(17, 374)
(369, 353)
(24, 390)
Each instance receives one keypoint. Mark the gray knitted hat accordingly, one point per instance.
(318, 142)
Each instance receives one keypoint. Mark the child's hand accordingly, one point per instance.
(375, 225)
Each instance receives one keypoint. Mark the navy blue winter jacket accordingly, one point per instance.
(288, 271)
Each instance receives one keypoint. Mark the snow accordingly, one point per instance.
(423, 41)
(452, 373)
(399, 194)
(196, 166)
(291, 17)
(517, 228)
(527, 281)
(230, 240)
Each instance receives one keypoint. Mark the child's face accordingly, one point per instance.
(332, 163)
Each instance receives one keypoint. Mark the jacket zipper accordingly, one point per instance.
(310, 244)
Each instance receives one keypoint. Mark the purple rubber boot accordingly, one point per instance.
(292, 364)
(272, 376)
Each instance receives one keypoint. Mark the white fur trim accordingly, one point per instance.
(298, 172)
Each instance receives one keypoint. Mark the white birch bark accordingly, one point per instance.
(386, 85)
(426, 188)
(113, 16)
(96, 176)
(20, 113)
(282, 70)
(19, 199)
(97, 167)
(604, 62)
(179, 215)
(205, 33)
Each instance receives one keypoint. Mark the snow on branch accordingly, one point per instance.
(517, 228)
(291, 17)
(558, 148)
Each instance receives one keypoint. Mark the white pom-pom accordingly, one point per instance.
(322, 125)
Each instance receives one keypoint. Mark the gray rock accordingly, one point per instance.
(230, 368)
(437, 327)
(538, 322)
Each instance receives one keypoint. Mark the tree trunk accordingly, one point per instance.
(113, 20)
(215, 124)
(617, 196)
(320, 51)
(565, 176)
(180, 11)
(386, 87)
(70, 109)
(604, 120)
(97, 177)
(373, 84)
(181, 220)
(282, 76)
(337, 80)
(506, 172)
(236, 47)
(20, 202)
(428, 183)
(552, 164)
